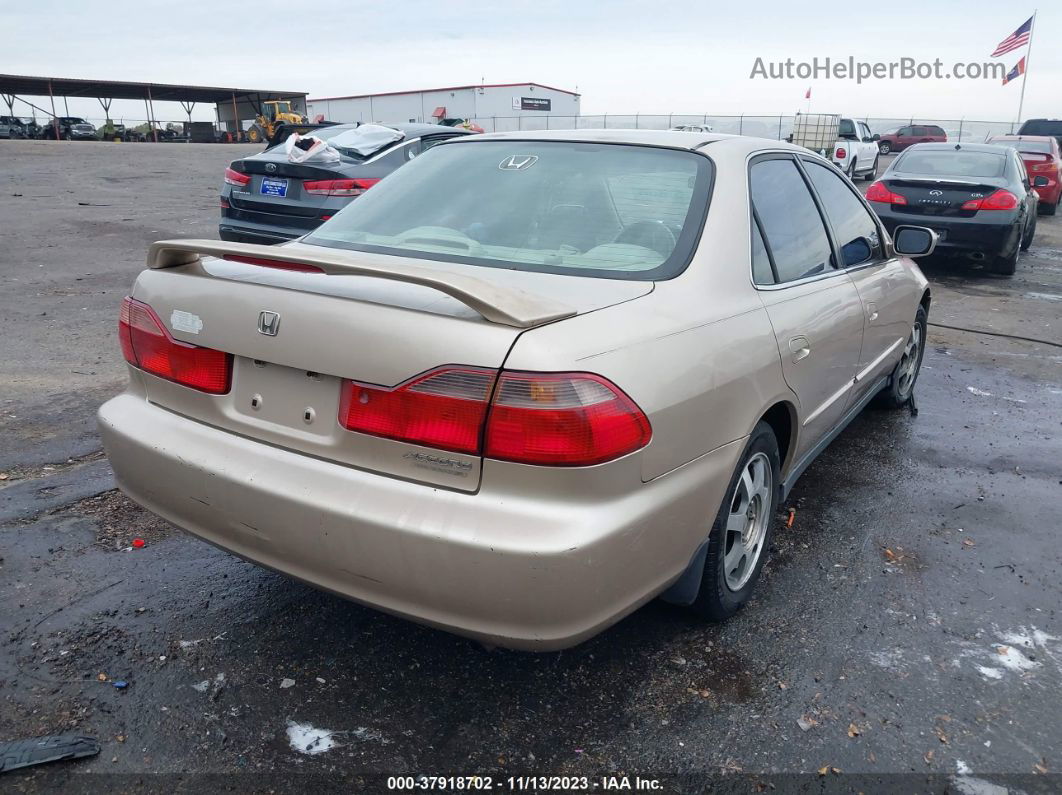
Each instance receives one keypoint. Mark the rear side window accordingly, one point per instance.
(791, 221)
(762, 273)
(856, 232)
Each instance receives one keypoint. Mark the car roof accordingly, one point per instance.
(673, 139)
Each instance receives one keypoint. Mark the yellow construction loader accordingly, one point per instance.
(275, 122)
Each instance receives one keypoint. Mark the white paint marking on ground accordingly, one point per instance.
(962, 768)
(305, 739)
(979, 392)
(990, 673)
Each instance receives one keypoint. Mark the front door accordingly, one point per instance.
(813, 305)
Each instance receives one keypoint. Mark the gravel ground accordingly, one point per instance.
(906, 634)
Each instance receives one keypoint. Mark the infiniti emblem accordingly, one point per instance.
(518, 162)
(271, 168)
(268, 323)
(936, 193)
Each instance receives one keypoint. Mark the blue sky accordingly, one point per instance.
(624, 57)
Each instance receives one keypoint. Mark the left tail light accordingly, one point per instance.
(841, 153)
(548, 419)
(338, 187)
(233, 177)
(147, 344)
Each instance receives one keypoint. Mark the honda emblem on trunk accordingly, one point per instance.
(268, 323)
(518, 162)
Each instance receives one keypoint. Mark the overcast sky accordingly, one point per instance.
(623, 56)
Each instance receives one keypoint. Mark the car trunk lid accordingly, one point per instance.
(941, 196)
(368, 318)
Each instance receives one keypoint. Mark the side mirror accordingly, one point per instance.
(914, 241)
(1040, 182)
(876, 137)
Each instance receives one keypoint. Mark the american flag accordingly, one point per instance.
(1016, 72)
(1018, 38)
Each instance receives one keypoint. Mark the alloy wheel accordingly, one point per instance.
(747, 522)
(908, 369)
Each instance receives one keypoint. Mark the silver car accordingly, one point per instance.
(583, 380)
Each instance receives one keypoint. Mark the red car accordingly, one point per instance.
(1042, 158)
(902, 137)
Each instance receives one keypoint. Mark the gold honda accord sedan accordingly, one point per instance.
(526, 383)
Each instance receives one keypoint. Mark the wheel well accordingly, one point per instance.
(925, 301)
(780, 418)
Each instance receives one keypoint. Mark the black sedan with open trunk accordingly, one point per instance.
(977, 197)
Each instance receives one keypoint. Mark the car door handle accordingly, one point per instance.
(800, 348)
(872, 312)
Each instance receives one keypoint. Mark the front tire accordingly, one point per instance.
(902, 383)
(884, 148)
(741, 532)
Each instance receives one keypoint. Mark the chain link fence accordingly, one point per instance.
(775, 127)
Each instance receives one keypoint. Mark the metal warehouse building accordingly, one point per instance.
(486, 101)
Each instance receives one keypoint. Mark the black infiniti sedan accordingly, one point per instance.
(976, 197)
(266, 198)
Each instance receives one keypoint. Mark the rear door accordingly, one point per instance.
(886, 300)
(813, 305)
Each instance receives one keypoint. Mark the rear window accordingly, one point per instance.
(587, 209)
(1032, 147)
(1041, 127)
(960, 163)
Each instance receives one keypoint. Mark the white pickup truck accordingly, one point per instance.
(847, 142)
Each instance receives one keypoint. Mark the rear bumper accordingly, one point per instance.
(504, 567)
(960, 235)
(247, 232)
(265, 228)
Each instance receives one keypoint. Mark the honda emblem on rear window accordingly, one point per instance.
(268, 323)
(271, 168)
(518, 162)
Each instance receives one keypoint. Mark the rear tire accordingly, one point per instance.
(902, 382)
(741, 532)
(1030, 232)
(1006, 264)
(873, 173)
(1049, 209)
(850, 173)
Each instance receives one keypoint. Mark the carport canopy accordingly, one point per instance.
(234, 104)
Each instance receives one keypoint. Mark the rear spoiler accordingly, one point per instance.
(505, 305)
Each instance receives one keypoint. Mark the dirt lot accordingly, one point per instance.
(907, 628)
